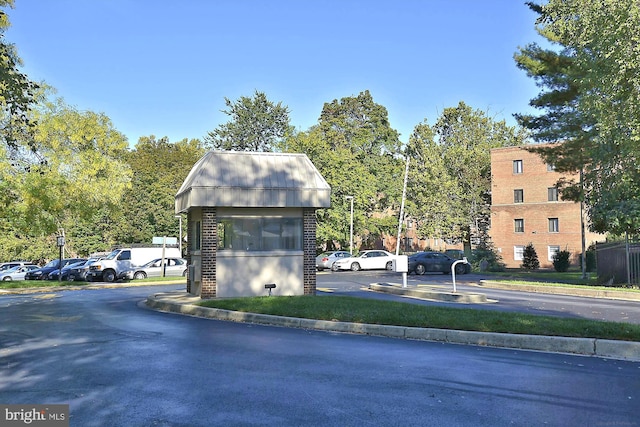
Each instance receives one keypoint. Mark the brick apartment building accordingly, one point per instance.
(526, 208)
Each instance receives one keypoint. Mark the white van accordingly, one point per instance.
(115, 265)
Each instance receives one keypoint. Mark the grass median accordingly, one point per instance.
(26, 284)
(359, 310)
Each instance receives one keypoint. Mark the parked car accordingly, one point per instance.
(121, 261)
(435, 262)
(154, 268)
(16, 273)
(54, 275)
(326, 259)
(79, 272)
(367, 260)
(42, 272)
(7, 265)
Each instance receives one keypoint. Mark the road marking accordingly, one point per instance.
(46, 318)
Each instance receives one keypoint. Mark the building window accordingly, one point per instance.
(260, 233)
(408, 243)
(552, 251)
(517, 167)
(551, 167)
(553, 225)
(518, 253)
(518, 225)
(552, 194)
(197, 235)
(518, 196)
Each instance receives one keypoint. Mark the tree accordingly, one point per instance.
(69, 170)
(530, 258)
(158, 170)
(17, 92)
(591, 102)
(257, 125)
(450, 178)
(561, 261)
(356, 150)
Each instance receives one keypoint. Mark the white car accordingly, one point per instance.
(367, 260)
(17, 272)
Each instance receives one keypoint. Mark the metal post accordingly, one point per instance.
(60, 243)
(350, 198)
(401, 218)
(582, 233)
(180, 234)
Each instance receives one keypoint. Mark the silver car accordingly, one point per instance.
(17, 272)
(172, 267)
(326, 259)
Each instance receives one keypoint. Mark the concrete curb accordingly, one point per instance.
(181, 303)
(558, 290)
(460, 297)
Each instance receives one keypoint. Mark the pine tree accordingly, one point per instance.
(530, 258)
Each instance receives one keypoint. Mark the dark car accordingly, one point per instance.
(54, 275)
(79, 272)
(435, 262)
(43, 272)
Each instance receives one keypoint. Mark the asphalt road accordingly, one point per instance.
(355, 283)
(119, 364)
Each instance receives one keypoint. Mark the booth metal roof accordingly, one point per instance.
(250, 179)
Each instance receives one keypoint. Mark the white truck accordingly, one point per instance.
(116, 265)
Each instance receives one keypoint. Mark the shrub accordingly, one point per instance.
(561, 261)
(486, 259)
(530, 258)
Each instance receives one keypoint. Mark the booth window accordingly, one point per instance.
(260, 233)
(197, 235)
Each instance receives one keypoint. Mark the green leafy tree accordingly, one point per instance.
(70, 169)
(590, 100)
(158, 170)
(450, 178)
(357, 152)
(17, 92)
(346, 177)
(530, 260)
(256, 124)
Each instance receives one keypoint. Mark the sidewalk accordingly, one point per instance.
(181, 302)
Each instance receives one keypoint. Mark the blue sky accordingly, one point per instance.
(164, 67)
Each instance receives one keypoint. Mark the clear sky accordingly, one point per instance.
(163, 68)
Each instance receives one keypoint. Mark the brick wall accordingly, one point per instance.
(209, 248)
(535, 210)
(188, 252)
(309, 242)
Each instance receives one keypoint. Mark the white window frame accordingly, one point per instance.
(554, 225)
(518, 253)
(551, 251)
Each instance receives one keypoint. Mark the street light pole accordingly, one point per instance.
(180, 234)
(350, 198)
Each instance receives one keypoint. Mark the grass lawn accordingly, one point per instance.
(351, 309)
(19, 284)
